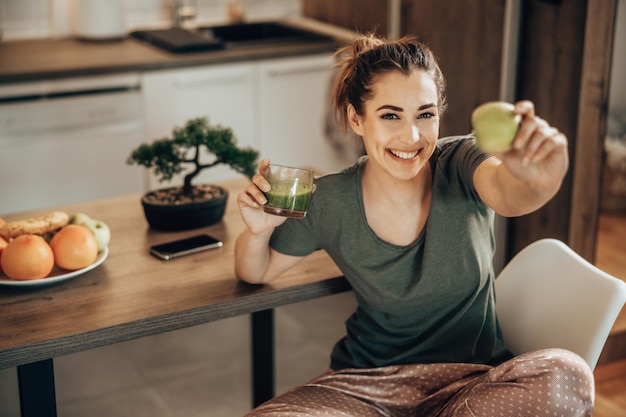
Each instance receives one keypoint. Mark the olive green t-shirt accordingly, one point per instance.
(427, 302)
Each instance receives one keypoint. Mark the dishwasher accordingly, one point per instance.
(64, 141)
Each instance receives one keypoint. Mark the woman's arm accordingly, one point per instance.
(530, 174)
(255, 261)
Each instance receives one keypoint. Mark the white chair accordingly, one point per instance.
(549, 296)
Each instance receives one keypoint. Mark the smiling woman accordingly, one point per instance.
(411, 227)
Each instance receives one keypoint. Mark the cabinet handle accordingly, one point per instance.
(233, 79)
(296, 71)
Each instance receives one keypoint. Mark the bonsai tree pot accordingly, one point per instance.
(168, 216)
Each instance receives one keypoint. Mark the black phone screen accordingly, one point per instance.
(176, 248)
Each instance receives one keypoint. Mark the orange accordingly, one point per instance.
(3, 244)
(27, 257)
(74, 247)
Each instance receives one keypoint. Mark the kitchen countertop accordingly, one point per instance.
(41, 59)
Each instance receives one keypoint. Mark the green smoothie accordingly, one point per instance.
(283, 200)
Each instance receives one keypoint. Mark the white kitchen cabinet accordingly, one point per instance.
(67, 140)
(294, 97)
(226, 94)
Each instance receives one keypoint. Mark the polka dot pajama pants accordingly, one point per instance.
(550, 382)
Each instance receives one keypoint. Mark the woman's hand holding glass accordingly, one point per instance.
(251, 201)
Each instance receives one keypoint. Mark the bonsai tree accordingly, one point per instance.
(170, 156)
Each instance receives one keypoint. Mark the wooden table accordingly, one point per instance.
(133, 294)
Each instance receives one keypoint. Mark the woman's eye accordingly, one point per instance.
(390, 116)
(426, 115)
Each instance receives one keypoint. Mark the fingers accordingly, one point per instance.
(263, 165)
(535, 139)
(251, 197)
(547, 147)
(529, 125)
(253, 193)
(531, 136)
(525, 108)
(541, 139)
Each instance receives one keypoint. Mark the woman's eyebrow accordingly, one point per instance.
(427, 106)
(390, 107)
(399, 109)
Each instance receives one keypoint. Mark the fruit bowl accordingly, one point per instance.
(57, 274)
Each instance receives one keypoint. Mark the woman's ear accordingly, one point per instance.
(356, 123)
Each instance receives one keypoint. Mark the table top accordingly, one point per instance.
(132, 294)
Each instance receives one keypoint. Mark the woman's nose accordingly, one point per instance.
(412, 133)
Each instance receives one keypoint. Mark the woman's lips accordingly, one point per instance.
(404, 155)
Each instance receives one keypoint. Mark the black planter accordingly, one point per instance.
(175, 217)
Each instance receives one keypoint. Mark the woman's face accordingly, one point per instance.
(400, 124)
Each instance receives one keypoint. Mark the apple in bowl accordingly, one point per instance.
(99, 228)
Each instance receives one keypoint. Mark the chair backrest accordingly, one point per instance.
(549, 296)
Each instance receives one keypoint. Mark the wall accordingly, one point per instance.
(617, 95)
(24, 19)
(467, 41)
(358, 15)
(564, 65)
(614, 175)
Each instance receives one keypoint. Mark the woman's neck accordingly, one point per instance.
(380, 183)
(396, 210)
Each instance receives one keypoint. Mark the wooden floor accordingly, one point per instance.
(611, 254)
(611, 390)
(611, 257)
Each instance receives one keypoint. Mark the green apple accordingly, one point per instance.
(79, 218)
(100, 230)
(495, 126)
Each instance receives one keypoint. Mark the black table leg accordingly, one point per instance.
(36, 385)
(262, 324)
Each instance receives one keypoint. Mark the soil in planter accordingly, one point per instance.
(174, 195)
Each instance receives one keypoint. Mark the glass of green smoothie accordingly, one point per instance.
(290, 191)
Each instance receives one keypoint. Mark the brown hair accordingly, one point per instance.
(368, 58)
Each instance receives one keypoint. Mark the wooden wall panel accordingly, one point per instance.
(549, 75)
(554, 51)
(358, 15)
(588, 162)
(466, 37)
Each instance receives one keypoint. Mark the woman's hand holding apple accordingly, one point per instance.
(539, 154)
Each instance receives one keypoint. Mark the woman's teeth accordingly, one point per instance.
(404, 155)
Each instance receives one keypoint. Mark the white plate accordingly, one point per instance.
(56, 275)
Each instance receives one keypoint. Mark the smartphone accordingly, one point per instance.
(177, 248)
